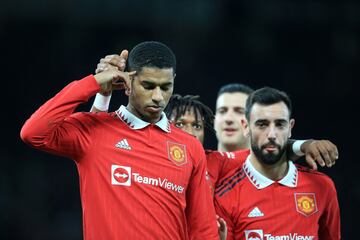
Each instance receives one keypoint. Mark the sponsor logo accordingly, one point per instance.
(123, 144)
(255, 213)
(254, 234)
(177, 153)
(258, 234)
(305, 203)
(121, 175)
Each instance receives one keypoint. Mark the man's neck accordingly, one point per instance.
(231, 148)
(274, 172)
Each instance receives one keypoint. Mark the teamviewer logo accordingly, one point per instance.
(120, 175)
(254, 234)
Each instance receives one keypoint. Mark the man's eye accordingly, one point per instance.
(179, 124)
(147, 87)
(261, 125)
(221, 111)
(240, 111)
(197, 126)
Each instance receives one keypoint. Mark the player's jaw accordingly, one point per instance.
(268, 153)
(152, 112)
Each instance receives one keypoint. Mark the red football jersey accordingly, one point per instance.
(221, 164)
(137, 180)
(301, 206)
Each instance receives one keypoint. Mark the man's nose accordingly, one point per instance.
(157, 95)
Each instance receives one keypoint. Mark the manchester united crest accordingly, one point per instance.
(177, 153)
(306, 203)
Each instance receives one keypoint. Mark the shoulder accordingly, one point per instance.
(230, 183)
(94, 115)
(315, 177)
(91, 119)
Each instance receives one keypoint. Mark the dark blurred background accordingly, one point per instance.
(310, 49)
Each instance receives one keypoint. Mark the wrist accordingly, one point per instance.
(102, 102)
(297, 147)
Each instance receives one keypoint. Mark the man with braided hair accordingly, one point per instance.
(190, 115)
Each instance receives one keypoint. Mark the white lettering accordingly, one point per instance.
(291, 236)
(164, 183)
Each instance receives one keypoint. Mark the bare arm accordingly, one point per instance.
(322, 152)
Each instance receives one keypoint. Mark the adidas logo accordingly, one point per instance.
(256, 213)
(123, 144)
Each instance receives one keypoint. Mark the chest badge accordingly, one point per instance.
(305, 203)
(176, 153)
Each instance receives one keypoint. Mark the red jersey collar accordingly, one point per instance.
(136, 123)
(260, 181)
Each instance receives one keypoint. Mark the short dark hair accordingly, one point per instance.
(178, 105)
(267, 96)
(151, 54)
(235, 87)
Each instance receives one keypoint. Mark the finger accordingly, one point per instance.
(324, 152)
(128, 79)
(317, 156)
(104, 67)
(98, 70)
(311, 162)
(124, 54)
(333, 151)
(123, 57)
(115, 61)
(330, 151)
(112, 56)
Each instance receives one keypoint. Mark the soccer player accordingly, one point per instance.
(230, 109)
(269, 197)
(140, 177)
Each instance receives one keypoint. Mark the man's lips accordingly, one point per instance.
(271, 148)
(154, 108)
(230, 131)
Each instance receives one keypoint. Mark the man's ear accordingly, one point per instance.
(129, 83)
(245, 126)
(291, 125)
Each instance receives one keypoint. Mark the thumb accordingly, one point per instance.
(124, 54)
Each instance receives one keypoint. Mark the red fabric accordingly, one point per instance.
(136, 193)
(221, 164)
(236, 198)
